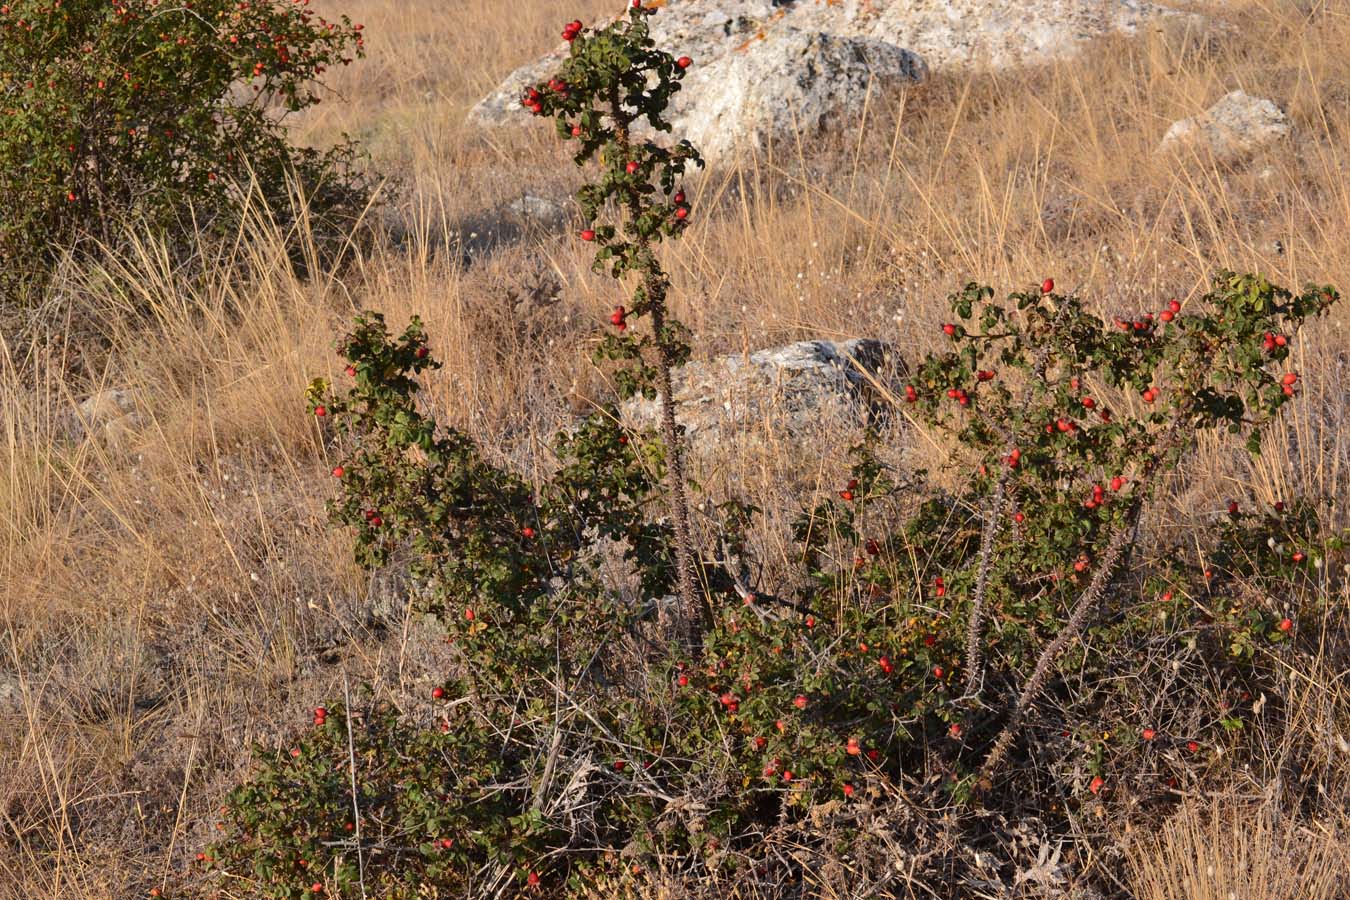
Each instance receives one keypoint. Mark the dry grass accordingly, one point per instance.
(171, 592)
(1234, 851)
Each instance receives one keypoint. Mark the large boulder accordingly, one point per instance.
(786, 82)
(790, 392)
(999, 33)
(1236, 125)
(767, 68)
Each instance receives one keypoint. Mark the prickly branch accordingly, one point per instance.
(613, 78)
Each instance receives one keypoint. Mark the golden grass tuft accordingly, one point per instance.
(1228, 850)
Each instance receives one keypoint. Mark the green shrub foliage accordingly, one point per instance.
(157, 112)
(570, 748)
(949, 649)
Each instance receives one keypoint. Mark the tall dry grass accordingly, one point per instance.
(171, 592)
(1238, 851)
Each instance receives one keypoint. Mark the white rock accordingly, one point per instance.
(1236, 125)
(782, 392)
(789, 82)
(756, 62)
(999, 33)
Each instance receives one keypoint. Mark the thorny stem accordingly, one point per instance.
(356, 808)
(693, 613)
(993, 520)
(1088, 603)
(974, 629)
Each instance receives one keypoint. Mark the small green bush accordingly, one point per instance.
(155, 112)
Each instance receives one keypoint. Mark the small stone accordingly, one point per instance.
(1236, 125)
(109, 415)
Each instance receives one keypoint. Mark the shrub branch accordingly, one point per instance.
(693, 615)
(1088, 603)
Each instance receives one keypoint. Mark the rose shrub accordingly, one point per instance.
(946, 654)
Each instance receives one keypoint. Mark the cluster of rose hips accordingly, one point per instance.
(1146, 324)
(853, 747)
(531, 101)
(956, 332)
(320, 715)
(1099, 493)
(1148, 735)
(1271, 341)
(642, 166)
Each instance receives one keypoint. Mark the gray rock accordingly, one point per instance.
(106, 404)
(764, 67)
(9, 690)
(109, 414)
(786, 83)
(545, 212)
(483, 231)
(1235, 126)
(784, 392)
(951, 34)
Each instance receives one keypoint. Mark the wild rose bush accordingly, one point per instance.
(595, 739)
(829, 699)
(150, 111)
